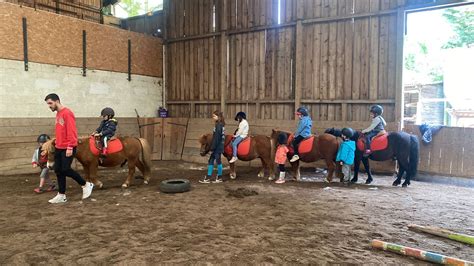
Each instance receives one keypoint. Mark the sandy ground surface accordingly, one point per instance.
(246, 221)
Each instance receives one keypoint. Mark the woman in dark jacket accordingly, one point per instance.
(217, 148)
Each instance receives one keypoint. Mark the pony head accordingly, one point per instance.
(205, 141)
(48, 149)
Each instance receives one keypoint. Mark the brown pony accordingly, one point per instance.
(136, 152)
(325, 147)
(260, 147)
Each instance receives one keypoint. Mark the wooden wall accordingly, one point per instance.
(18, 139)
(336, 57)
(82, 9)
(449, 154)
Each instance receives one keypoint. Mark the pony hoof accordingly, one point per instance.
(368, 181)
(260, 175)
(124, 186)
(145, 182)
(353, 181)
(233, 177)
(404, 185)
(395, 183)
(271, 178)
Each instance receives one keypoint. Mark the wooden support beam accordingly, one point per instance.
(399, 68)
(379, 101)
(347, 17)
(298, 64)
(283, 25)
(224, 71)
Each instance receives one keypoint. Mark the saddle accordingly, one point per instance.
(305, 146)
(113, 145)
(378, 143)
(243, 149)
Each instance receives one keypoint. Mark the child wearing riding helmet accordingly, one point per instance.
(303, 130)
(241, 133)
(345, 154)
(107, 127)
(217, 148)
(39, 160)
(378, 124)
(281, 156)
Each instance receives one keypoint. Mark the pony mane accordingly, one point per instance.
(48, 146)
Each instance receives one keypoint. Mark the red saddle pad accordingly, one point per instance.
(305, 146)
(243, 149)
(113, 146)
(378, 143)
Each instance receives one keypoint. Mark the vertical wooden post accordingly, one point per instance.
(25, 43)
(224, 55)
(344, 112)
(129, 60)
(399, 68)
(165, 53)
(298, 64)
(84, 53)
(192, 110)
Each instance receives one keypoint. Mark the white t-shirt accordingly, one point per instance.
(243, 130)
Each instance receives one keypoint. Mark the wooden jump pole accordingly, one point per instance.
(467, 239)
(419, 254)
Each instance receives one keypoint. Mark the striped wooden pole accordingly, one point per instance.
(419, 254)
(443, 233)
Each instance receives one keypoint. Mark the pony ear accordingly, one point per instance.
(273, 130)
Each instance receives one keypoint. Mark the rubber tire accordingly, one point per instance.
(175, 186)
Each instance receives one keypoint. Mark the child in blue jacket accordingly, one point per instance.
(302, 132)
(346, 153)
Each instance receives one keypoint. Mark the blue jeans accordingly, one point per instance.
(368, 138)
(235, 143)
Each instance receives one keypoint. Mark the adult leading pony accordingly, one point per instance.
(402, 147)
(136, 152)
(324, 146)
(260, 147)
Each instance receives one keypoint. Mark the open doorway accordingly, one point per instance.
(438, 75)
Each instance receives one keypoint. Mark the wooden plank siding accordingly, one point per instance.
(346, 63)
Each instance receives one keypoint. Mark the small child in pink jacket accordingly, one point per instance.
(281, 156)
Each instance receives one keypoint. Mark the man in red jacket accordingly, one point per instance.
(66, 143)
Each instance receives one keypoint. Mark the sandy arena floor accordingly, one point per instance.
(246, 221)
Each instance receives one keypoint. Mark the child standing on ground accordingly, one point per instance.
(346, 153)
(281, 156)
(40, 160)
(378, 124)
(302, 132)
(217, 148)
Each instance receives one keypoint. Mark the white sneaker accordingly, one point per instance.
(59, 198)
(87, 190)
(294, 158)
(233, 160)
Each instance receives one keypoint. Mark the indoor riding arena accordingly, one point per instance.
(237, 132)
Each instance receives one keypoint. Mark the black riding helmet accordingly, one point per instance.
(303, 111)
(43, 138)
(240, 115)
(107, 111)
(347, 132)
(282, 138)
(376, 109)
